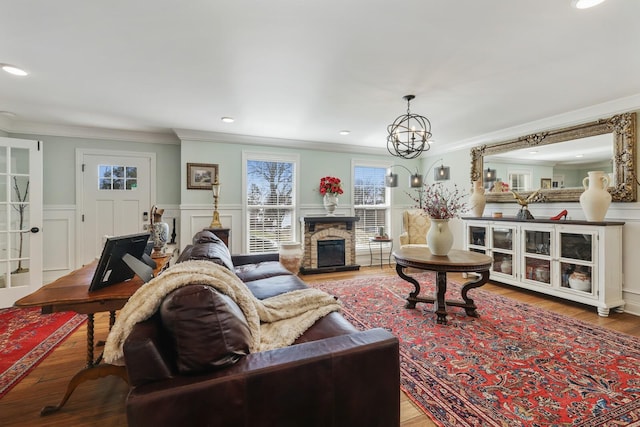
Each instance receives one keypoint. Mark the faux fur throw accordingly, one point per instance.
(273, 322)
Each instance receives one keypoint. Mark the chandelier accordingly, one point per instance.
(408, 134)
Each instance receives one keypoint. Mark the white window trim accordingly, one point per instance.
(269, 157)
(388, 193)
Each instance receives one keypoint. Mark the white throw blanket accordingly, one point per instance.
(273, 322)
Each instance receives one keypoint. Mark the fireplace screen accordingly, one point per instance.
(331, 253)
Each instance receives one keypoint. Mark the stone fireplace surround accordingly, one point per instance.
(328, 228)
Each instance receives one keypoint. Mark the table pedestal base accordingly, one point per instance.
(439, 302)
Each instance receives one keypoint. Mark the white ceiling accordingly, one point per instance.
(304, 70)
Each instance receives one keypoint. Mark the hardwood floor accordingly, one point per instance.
(101, 402)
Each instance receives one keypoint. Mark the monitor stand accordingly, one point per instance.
(141, 268)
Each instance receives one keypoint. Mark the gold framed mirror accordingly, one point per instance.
(617, 159)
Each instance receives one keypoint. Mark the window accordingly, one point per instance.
(519, 180)
(270, 201)
(111, 177)
(370, 202)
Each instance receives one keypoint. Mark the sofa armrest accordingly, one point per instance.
(243, 259)
(348, 380)
(143, 351)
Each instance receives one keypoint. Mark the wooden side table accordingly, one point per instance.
(381, 243)
(71, 293)
(222, 233)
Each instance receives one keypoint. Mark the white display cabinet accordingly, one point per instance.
(576, 260)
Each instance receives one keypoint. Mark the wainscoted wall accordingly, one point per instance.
(58, 248)
(59, 238)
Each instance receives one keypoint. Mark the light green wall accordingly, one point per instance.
(314, 164)
(59, 157)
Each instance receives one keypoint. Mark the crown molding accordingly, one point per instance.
(89, 132)
(571, 118)
(207, 136)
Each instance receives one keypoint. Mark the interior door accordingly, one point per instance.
(20, 219)
(117, 192)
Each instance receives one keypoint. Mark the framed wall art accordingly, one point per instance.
(200, 176)
(545, 183)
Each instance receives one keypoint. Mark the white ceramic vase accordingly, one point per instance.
(439, 237)
(291, 255)
(330, 201)
(595, 200)
(159, 232)
(477, 200)
(160, 236)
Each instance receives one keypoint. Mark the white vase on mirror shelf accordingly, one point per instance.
(596, 199)
(477, 200)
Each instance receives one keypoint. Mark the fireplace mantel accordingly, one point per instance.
(313, 220)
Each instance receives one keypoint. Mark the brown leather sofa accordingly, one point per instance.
(189, 363)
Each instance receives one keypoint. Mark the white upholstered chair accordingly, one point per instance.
(415, 224)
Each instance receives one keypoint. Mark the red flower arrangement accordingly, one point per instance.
(330, 185)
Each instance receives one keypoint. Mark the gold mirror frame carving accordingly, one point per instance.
(621, 126)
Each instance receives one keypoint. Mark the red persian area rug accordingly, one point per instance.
(515, 365)
(27, 337)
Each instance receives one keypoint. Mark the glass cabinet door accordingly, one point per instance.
(577, 252)
(502, 239)
(477, 236)
(537, 242)
(538, 251)
(577, 246)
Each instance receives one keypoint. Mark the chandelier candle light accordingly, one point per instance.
(408, 134)
(215, 187)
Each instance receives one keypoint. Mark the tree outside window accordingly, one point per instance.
(370, 200)
(270, 204)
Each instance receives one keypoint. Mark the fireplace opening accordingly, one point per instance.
(331, 253)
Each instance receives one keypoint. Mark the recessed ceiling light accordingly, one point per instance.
(11, 69)
(585, 4)
(533, 152)
(227, 119)
(344, 132)
(579, 155)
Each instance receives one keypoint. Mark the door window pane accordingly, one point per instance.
(114, 177)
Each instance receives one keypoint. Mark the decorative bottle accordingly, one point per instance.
(595, 200)
(159, 232)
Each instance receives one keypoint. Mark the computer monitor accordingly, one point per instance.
(122, 258)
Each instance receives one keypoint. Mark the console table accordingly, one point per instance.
(71, 293)
(579, 261)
